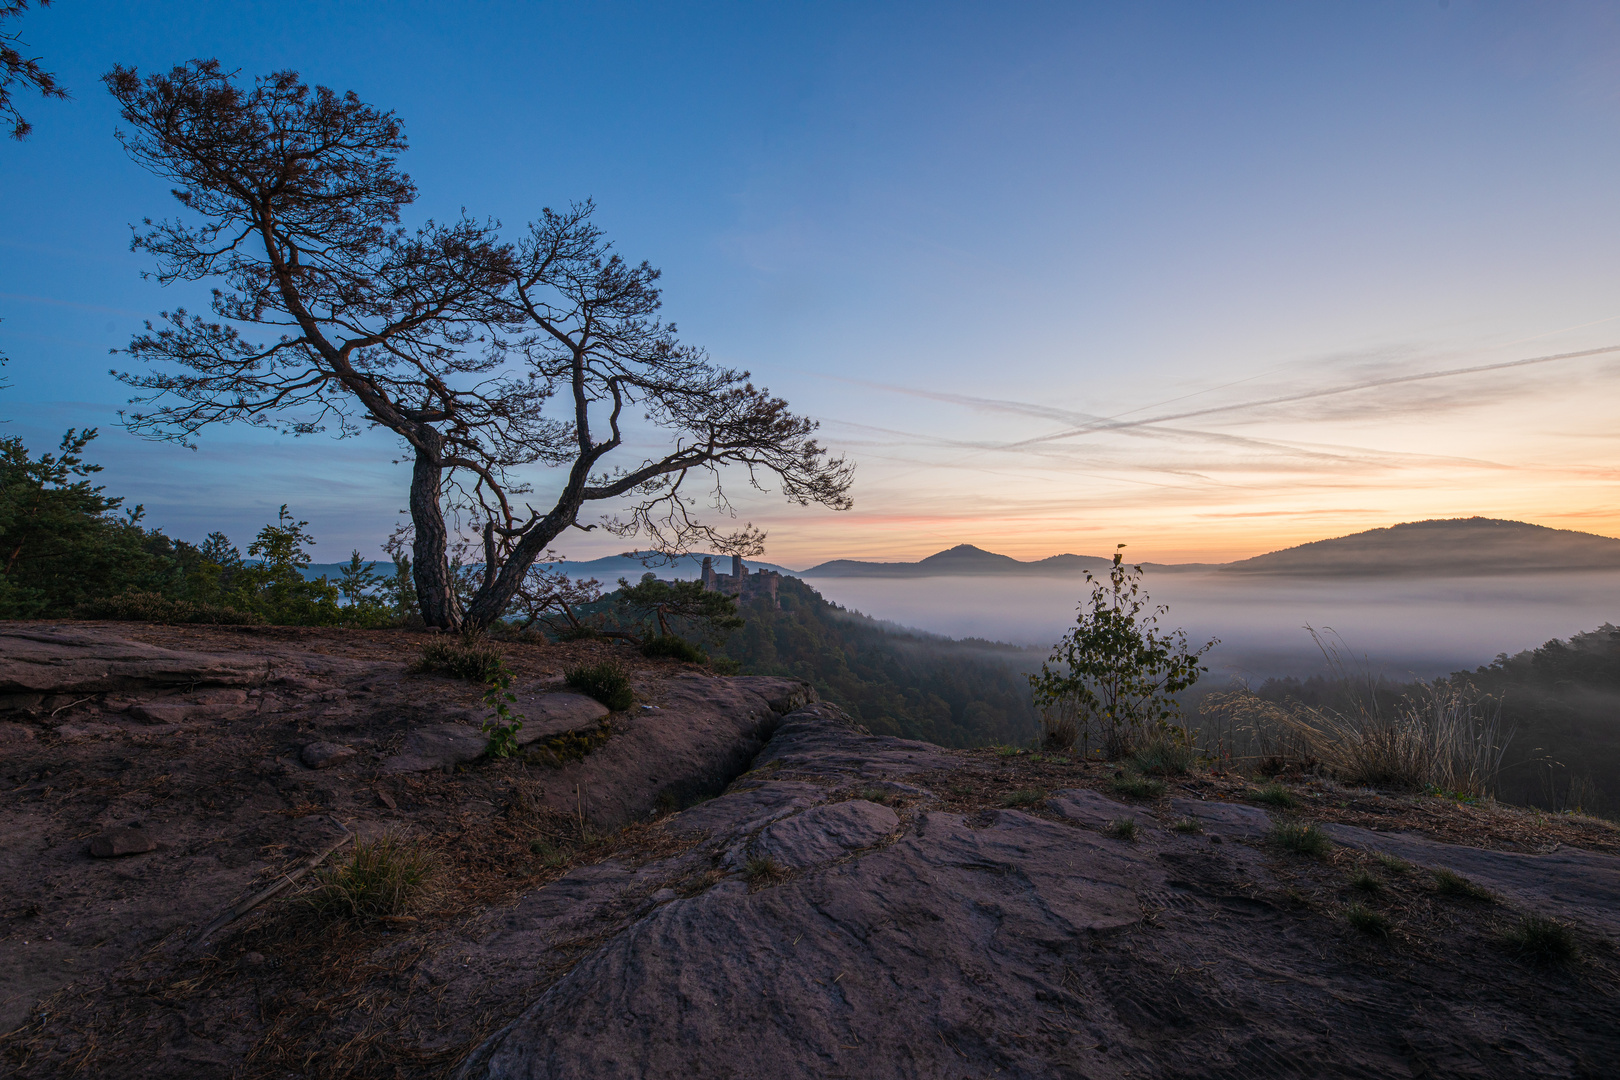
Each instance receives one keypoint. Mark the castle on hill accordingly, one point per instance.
(740, 583)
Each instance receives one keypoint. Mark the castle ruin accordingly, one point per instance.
(740, 583)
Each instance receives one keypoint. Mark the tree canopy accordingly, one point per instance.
(449, 336)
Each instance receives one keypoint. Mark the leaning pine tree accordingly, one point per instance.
(454, 339)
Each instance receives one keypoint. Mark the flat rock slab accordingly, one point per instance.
(1092, 808)
(825, 833)
(1574, 884)
(546, 715)
(92, 661)
(115, 842)
(1234, 821)
(437, 746)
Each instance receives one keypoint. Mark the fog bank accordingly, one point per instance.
(1405, 627)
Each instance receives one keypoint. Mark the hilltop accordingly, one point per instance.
(965, 560)
(1448, 547)
(1451, 547)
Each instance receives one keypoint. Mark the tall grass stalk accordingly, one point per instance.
(1447, 736)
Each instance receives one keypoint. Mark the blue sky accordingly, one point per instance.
(958, 235)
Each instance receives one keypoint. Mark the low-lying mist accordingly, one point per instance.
(1405, 628)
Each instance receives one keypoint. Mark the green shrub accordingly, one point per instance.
(1023, 797)
(1367, 920)
(1301, 839)
(670, 647)
(1164, 757)
(1450, 883)
(1540, 938)
(1123, 829)
(462, 658)
(606, 682)
(875, 794)
(378, 878)
(1275, 795)
(153, 608)
(725, 665)
(1136, 787)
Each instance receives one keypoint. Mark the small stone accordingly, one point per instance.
(115, 842)
(324, 755)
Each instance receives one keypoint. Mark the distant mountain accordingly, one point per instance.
(1453, 547)
(965, 560)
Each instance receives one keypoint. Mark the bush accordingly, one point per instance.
(1136, 787)
(1275, 795)
(606, 682)
(670, 647)
(1540, 938)
(1116, 676)
(1164, 757)
(1301, 839)
(1450, 883)
(379, 878)
(463, 658)
(151, 607)
(1023, 797)
(1367, 920)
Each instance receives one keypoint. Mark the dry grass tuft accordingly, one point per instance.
(1368, 921)
(1450, 883)
(1123, 829)
(1544, 940)
(1023, 797)
(1134, 786)
(378, 879)
(1301, 839)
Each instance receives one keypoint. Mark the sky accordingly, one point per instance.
(1206, 279)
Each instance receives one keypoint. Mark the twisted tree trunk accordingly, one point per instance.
(430, 569)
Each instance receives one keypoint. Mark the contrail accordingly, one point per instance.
(1371, 384)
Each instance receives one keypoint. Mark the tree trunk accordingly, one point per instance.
(430, 569)
(498, 590)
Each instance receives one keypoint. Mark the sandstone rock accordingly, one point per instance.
(437, 746)
(546, 715)
(1233, 821)
(825, 833)
(324, 755)
(749, 808)
(15, 734)
(90, 661)
(1581, 885)
(1092, 808)
(115, 842)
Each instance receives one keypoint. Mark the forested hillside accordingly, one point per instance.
(899, 682)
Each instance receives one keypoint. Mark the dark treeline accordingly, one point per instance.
(1560, 704)
(70, 549)
(898, 682)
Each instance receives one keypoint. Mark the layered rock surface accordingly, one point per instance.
(939, 944)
